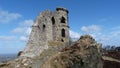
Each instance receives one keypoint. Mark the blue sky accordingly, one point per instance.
(99, 18)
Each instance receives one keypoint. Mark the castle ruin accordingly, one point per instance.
(53, 26)
(48, 27)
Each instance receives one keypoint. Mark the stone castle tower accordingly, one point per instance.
(53, 26)
(48, 27)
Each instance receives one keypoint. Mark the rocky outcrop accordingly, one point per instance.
(85, 53)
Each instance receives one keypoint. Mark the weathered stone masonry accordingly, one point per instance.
(48, 27)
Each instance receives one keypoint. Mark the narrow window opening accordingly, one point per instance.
(44, 26)
(62, 20)
(62, 40)
(53, 20)
(63, 32)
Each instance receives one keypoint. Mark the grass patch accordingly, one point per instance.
(52, 43)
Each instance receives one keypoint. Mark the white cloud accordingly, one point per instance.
(102, 36)
(24, 38)
(28, 31)
(107, 36)
(27, 23)
(6, 17)
(24, 31)
(74, 35)
(115, 31)
(19, 30)
(95, 34)
(91, 28)
(7, 38)
(24, 27)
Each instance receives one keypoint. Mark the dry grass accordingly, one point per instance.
(110, 59)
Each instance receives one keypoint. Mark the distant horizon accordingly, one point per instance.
(8, 53)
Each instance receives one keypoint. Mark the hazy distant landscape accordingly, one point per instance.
(7, 57)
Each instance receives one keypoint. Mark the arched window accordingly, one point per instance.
(62, 19)
(53, 20)
(63, 32)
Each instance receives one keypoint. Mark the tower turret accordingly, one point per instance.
(61, 28)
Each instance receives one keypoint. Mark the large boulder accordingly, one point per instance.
(85, 53)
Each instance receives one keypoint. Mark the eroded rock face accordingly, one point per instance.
(85, 53)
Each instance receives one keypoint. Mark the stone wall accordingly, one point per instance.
(47, 28)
